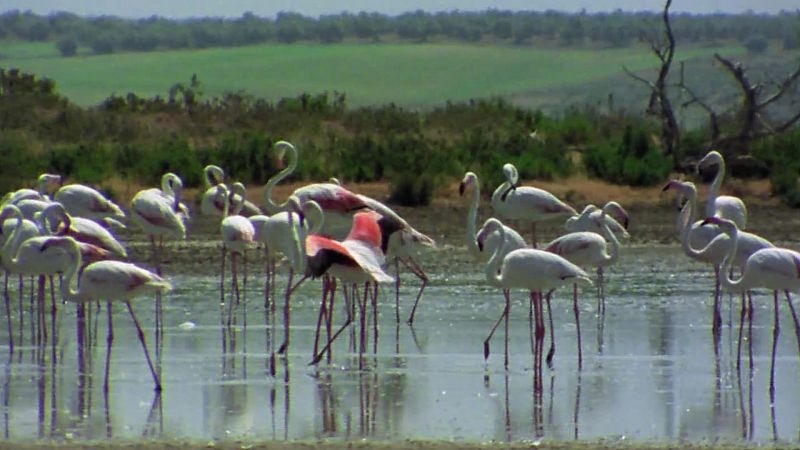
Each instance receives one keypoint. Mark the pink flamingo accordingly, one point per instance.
(355, 260)
(527, 203)
(583, 248)
(526, 268)
(82, 229)
(771, 268)
(211, 203)
(110, 281)
(725, 206)
(401, 242)
(616, 218)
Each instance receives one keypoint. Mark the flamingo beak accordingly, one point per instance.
(461, 187)
(666, 187)
(708, 220)
(480, 244)
(302, 219)
(508, 191)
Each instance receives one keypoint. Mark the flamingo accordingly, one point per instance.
(82, 229)
(211, 203)
(526, 268)
(357, 259)
(512, 241)
(84, 201)
(284, 233)
(527, 203)
(401, 242)
(725, 206)
(45, 185)
(771, 268)
(158, 212)
(583, 248)
(110, 281)
(616, 218)
(237, 236)
(712, 246)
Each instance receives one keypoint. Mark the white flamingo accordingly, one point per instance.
(46, 184)
(110, 281)
(82, 229)
(725, 206)
(777, 269)
(616, 218)
(526, 268)
(355, 260)
(237, 236)
(712, 245)
(584, 249)
(527, 203)
(83, 201)
(512, 240)
(211, 201)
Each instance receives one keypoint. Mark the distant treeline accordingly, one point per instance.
(107, 34)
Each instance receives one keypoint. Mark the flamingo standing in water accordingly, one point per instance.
(401, 242)
(771, 268)
(707, 244)
(526, 268)
(211, 202)
(583, 248)
(725, 206)
(110, 281)
(83, 201)
(158, 212)
(355, 260)
(82, 229)
(237, 236)
(527, 203)
(284, 233)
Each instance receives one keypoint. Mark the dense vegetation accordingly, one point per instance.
(138, 139)
(106, 34)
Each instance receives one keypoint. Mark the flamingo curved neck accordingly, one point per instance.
(725, 277)
(12, 243)
(272, 207)
(472, 217)
(493, 267)
(688, 214)
(713, 191)
(67, 291)
(612, 258)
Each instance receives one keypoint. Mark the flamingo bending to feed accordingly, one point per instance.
(46, 184)
(526, 268)
(211, 204)
(725, 206)
(83, 201)
(401, 241)
(110, 281)
(583, 248)
(712, 245)
(527, 203)
(158, 212)
(616, 217)
(771, 268)
(355, 260)
(237, 236)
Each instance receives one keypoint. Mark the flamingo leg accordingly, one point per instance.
(140, 334)
(329, 317)
(397, 290)
(601, 289)
(552, 351)
(327, 346)
(716, 319)
(7, 301)
(53, 321)
(322, 313)
(109, 341)
(20, 296)
(742, 314)
(577, 311)
(506, 293)
(776, 330)
(794, 318)
(416, 270)
(286, 314)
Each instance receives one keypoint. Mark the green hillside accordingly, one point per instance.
(415, 75)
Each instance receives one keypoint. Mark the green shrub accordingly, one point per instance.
(631, 160)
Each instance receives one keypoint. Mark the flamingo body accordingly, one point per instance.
(84, 201)
(724, 206)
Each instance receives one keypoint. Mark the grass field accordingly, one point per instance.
(414, 75)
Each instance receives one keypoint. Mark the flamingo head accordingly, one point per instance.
(488, 228)
(280, 150)
(469, 179)
(512, 178)
(214, 175)
(616, 211)
(49, 182)
(293, 206)
(712, 159)
(725, 225)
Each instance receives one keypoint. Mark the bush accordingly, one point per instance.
(631, 161)
(756, 44)
(67, 47)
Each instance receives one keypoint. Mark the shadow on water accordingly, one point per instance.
(651, 370)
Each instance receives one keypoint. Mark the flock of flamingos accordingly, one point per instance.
(326, 231)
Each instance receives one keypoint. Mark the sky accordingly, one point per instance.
(268, 8)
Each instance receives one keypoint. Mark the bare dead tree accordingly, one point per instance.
(660, 104)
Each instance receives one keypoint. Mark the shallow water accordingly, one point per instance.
(653, 379)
